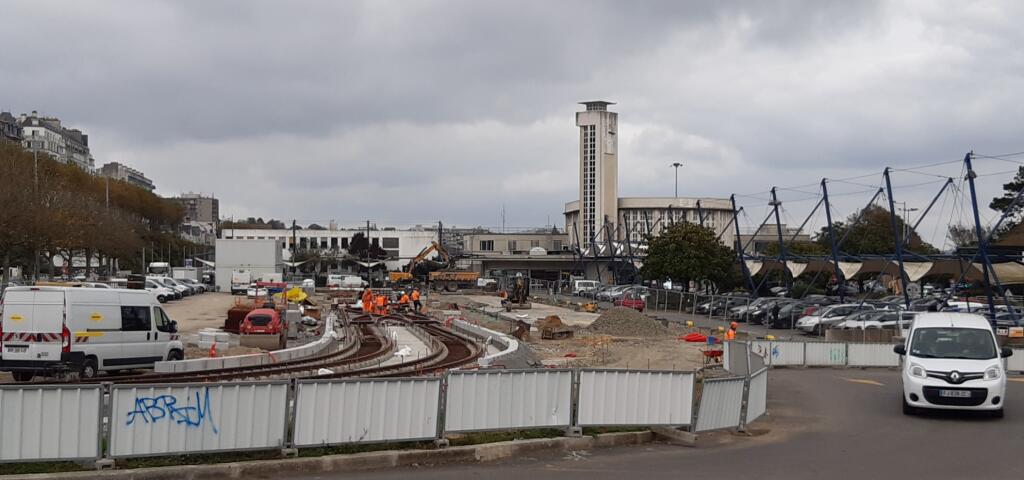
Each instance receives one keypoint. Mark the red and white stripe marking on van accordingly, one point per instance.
(31, 337)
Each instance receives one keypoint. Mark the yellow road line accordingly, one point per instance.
(863, 381)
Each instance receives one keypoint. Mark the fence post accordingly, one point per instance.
(442, 411)
(106, 432)
(694, 303)
(681, 302)
(711, 306)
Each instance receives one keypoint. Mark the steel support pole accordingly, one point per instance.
(700, 213)
(899, 239)
(840, 281)
(739, 248)
(782, 245)
(982, 238)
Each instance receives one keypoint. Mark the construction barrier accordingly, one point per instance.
(632, 397)
(509, 345)
(497, 400)
(825, 354)
(871, 355)
(757, 396)
(721, 403)
(53, 422)
(159, 420)
(735, 355)
(366, 411)
(1016, 362)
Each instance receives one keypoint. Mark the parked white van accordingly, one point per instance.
(58, 330)
(952, 361)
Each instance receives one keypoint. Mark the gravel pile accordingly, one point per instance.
(626, 322)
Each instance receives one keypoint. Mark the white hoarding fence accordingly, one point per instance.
(721, 402)
(499, 400)
(50, 422)
(1016, 362)
(825, 354)
(736, 358)
(155, 420)
(757, 396)
(363, 411)
(871, 355)
(629, 397)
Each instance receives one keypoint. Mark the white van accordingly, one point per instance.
(581, 286)
(240, 280)
(952, 361)
(56, 330)
(338, 281)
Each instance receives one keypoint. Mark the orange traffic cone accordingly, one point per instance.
(213, 350)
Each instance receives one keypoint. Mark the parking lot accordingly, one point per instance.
(823, 423)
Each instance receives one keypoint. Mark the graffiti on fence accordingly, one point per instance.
(189, 414)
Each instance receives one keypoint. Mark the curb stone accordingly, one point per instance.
(486, 452)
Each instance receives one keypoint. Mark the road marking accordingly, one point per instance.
(864, 382)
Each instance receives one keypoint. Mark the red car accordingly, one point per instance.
(633, 301)
(262, 321)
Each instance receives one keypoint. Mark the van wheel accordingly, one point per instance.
(23, 376)
(89, 368)
(175, 355)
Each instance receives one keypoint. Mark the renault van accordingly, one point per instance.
(952, 361)
(58, 330)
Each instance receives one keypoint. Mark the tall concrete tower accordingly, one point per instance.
(599, 169)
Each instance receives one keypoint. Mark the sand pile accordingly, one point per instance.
(626, 322)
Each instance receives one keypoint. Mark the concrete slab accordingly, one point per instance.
(407, 343)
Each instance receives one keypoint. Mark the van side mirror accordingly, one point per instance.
(1006, 352)
(174, 326)
(900, 349)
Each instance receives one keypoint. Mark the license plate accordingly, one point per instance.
(17, 348)
(955, 393)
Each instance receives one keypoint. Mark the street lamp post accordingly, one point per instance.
(677, 165)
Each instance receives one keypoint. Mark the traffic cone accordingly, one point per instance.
(213, 350)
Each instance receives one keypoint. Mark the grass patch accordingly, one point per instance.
(362, 448)
(198, 459)
(47, 467)
(594, 431)
(478, 438)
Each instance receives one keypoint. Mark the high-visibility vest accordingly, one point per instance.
(730, 334)
(404, 300)
(415, 295)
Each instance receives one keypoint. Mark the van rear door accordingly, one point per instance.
(32, 324)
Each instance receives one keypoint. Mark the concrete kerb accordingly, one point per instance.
(487, 452)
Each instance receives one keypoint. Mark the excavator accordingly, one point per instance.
(440, 275)
(408, 274)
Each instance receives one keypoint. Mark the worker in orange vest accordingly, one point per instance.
(416, 305)
(730, 334)
(382, 305)
(367, 300)
(403, 301)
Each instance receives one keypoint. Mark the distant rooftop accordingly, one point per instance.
(597, 105)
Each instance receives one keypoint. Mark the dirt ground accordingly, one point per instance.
(201, 311)
(585, 349)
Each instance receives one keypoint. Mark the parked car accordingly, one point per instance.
(953, 361)
(53, 330)
(256, 291)
(876, 319)
(579, 287)
(261, 321)
(632, 300)
(763, 314)
(196, 286)
(160, 292)
(171, 284)
(608, 295)
(828, 316)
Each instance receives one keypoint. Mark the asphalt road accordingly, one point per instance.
(822, 424)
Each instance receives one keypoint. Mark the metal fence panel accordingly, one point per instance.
(155, 420)
(736, 358)
(632, 397)
(1016, 362)
(499, 400)
(825, 354)
(368, 410)
(50, 422)
(757, 396)
(761, 349)
(721, 402)
(726, 349)
(872, 355)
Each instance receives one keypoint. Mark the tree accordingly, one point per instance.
(797, 248)
(358, 245)
(686, 252)
(962, 236)
(871, 234)
(1004, 204)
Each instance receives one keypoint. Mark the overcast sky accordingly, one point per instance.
(409, 112)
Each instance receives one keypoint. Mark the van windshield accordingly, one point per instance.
(957, 343)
